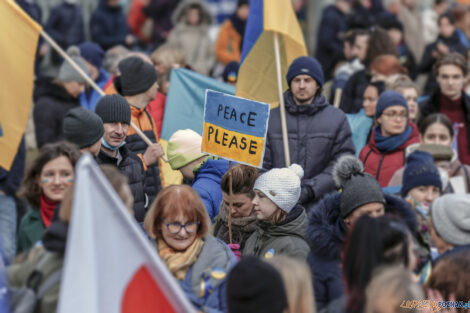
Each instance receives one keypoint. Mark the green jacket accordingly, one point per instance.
(17, 274)
(287, 238)
(30, 230)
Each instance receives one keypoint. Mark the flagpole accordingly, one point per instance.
(230, 197)
(91, 82)
(285, 139)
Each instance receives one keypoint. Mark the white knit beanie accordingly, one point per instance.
(282, 186)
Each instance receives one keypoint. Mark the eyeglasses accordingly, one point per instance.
(394, 115)
(175, 227)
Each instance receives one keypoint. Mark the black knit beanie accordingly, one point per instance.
(114, 108)
(136, 76)
(82, 127)
(358, 188)
(255, 286)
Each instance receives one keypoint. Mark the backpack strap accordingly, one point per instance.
(49, 283)
(35, 278)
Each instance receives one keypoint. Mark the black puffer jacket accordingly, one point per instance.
(108, 25)
(318, 135)
(132, 167)
(51, 103)
(153, 183)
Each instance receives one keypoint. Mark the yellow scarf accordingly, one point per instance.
(179, 262)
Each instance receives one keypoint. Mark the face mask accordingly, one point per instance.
(108, 146)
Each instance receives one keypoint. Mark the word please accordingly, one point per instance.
(226, 139)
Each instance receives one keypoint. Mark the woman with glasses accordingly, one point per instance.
(385, 152)
(180, 224)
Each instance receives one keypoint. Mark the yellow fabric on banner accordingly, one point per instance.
(231, 145)
(257, 74)
(167, 174)
(18, 41)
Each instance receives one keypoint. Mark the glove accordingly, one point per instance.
(235, 247)
(306, 194)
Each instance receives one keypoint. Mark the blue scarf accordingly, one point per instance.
(388, 144)
(108, 146)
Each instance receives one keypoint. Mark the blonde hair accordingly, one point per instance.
(297, 280)
(388, 288)
(168, 56)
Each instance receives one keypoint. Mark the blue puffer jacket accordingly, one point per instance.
(212, 266)
(207, 185)
(318, 135)
(108, 26)
(326, 234)
(89, 98)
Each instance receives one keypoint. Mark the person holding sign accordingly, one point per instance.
(184, 154)
(243, 216)
(281, 222)
(318, 132)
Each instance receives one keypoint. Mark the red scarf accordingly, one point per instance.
(47, 208)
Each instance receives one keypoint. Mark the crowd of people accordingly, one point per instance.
(373, 213)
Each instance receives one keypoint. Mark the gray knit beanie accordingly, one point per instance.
(451, 218)
(282, 186)
(82, 127)
(114, 108)
(358, 188)
(67, 73)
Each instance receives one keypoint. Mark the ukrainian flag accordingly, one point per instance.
(257, 78)
(18, 41)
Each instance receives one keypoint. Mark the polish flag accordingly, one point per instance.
(110, 266)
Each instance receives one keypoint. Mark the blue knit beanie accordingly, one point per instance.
(387, 99)
(307, 66)
(92, 52)
(420, 170)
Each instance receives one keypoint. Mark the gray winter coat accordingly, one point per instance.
(286, 238)
(318, 135)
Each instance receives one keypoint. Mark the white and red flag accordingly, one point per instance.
(110, 266)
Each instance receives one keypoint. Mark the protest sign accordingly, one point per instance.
(235, 128)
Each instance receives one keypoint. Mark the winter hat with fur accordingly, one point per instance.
(282, 186)
(184, 147)
(67, 73)
(358, 188)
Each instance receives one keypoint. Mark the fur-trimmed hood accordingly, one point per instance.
(326, 231)
(179, 15)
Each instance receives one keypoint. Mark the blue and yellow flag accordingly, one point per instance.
(18, 41)
(257, 75)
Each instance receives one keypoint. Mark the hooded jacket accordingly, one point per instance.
(51, 103)
(131, 166)
(193, 40)
(382, 165)
(108, 26)
(318, 135)
(326, 235)
(285, 238)
(207, 184)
